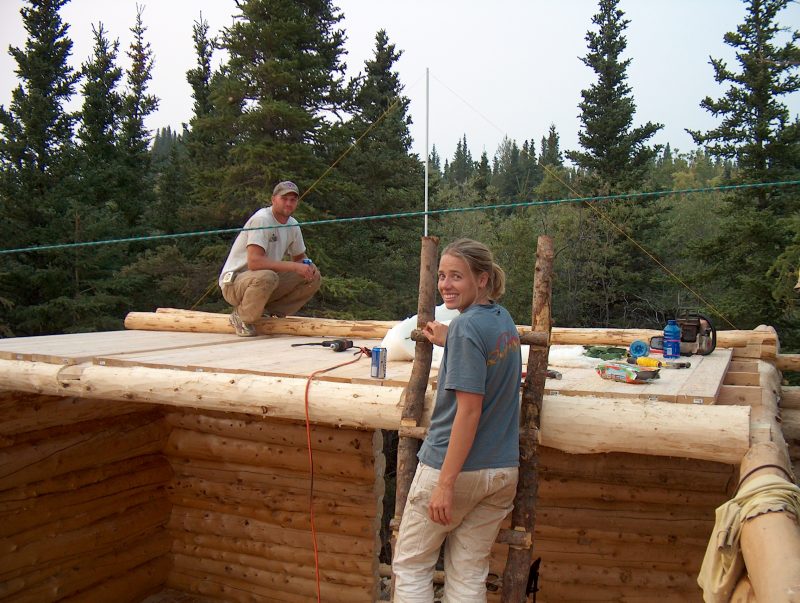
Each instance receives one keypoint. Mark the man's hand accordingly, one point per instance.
(435, 332)
(307, 271)
(441, 505)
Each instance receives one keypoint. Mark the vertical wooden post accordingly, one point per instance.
(523, 516)
(407, 447)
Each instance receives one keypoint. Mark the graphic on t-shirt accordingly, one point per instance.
(507, 342)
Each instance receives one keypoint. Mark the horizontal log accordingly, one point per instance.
(620, 554)
(134, 585)
(90, 426)
(551, 590)
(82, 520)
(274, 431)
(211, 522)
(275, 499)
(664, 522)
(602, 577)
(588, 534)
(571, 492)
(274, 566)
(613, 425)
(619, 468)
(788, 362)
(29, 462)
(22, 412)
(527, 337)
(67, 482)
(790, 422)
(330, 403)
(223, 472)
(257, 580)
(56, 543)
(191, 444)
(418, 433)
(298, 519)
(88, 571)
(200, 583)
(171, 319)
(790, 397)
(587, 425)
(347, 563)
(22, 515)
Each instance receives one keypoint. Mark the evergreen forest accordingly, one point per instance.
(171, 201)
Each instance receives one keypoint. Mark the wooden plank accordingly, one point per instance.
(707, 376)
(738, 378)
(742, 395)
(270, 356)
(743, 366)
(701, 381)
(75, 348)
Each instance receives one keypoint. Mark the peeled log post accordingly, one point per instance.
(407, 447)
(523, 516)
(770, 543)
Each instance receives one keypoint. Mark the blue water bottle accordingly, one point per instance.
(672, 340)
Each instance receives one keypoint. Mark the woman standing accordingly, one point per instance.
(467, 475)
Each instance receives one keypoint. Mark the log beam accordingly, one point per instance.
(788, 362)
(172, 319)
(760, 343)
(569, 423)
(591, 425)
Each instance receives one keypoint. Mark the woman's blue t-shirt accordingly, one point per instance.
(481, 356)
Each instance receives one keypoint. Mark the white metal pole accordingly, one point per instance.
(427, 153)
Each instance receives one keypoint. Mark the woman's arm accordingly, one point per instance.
(462, 435)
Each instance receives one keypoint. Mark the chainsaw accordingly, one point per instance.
(698, 335)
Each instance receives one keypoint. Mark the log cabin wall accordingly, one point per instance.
(83, 503)
(622, 527)
(240, 523)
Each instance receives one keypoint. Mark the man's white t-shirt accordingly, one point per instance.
(276, 242)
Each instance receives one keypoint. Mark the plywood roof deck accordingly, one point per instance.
(274, 355)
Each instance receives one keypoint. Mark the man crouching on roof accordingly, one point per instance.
(256, 277)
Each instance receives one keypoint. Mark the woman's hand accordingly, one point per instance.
(435, 332)
(441, 504)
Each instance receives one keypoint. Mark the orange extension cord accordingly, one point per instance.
(361, 352)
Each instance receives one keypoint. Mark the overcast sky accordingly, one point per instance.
(497, 68)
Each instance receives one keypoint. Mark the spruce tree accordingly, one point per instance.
(36, 173)
(283, 77)
(96, 208)
(748, 260)
(615, 154)
(483, 176)
(615, 159)
(379, 175)
(100, 123)
(199, 77)
(551, 149)
(138, 104)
